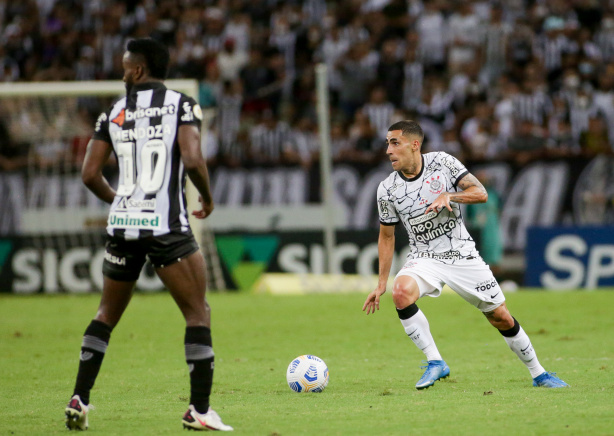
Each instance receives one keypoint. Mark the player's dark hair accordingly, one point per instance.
(409, 128)
(154, 53)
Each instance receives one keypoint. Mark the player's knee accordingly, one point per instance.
(506, 322)
(501, 318)
(403, 294)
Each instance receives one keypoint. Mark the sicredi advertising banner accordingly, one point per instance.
(570, 257)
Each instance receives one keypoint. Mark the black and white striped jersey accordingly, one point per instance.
(142, 128)
(440, 236)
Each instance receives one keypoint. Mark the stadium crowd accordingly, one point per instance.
(488, 80)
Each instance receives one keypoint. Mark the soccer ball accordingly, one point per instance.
(307, 373)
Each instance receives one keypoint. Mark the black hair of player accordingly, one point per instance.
(408, 127)
(155, 54)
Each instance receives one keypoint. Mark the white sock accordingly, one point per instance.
(417, 328)
(521, 345)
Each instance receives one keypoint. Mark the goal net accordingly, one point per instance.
(59, 224)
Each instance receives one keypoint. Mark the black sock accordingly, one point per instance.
(93, 347)
(407, 312)
(510, 333)
(199, 356)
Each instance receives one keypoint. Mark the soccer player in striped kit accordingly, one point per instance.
(155, 134)
(423, 193)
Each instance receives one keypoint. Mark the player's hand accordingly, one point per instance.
(206, 209)
(372, 301)
(440, 202)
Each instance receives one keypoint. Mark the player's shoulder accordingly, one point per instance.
(110, 113)
(392, 179)
(189, 109)
(442, 158)
(436, 156)
(117, 104)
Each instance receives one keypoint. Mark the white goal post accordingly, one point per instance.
(44, 116)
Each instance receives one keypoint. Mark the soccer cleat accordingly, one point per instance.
(549, 380)
(435, 370)
(76, 414)
(192, 420)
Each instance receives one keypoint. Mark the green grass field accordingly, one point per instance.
(143, 385)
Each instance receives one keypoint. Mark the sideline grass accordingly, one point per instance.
(143, 384)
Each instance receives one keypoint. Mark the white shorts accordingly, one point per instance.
(472, 280)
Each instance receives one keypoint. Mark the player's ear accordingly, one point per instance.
(139, 71)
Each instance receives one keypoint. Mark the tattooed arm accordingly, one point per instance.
(472, 191)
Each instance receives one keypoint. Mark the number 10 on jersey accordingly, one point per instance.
(153, 164)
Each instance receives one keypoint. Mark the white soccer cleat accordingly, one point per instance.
(192, 420)
(76, 414)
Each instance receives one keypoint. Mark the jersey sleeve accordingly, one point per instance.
(454, 167)
(101, 129)
(190, 112)
(387, 213)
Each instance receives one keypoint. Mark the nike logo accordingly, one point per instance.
(523, 350)
(493, 296)
(204, 423)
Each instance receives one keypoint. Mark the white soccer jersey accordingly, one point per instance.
(440, 236)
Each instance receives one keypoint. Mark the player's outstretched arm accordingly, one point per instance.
(472, 192)
(96, 157)
(385, 249)
(195, 165)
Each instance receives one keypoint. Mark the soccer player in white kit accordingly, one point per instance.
(423, 193)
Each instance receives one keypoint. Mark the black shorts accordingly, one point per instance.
(124, 260)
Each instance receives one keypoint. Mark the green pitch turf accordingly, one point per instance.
(143, 385)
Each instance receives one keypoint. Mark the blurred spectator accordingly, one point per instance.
(356, 73)
(604, 38)
(449, 143)
(363, 140)
(390, 72)
(268, 140)
(255, 76)
(561, 142)
(594, 140)
(333, 48)
(340, 143)
(413, 75)
(379, 111)
(229, 113)
(238, 28)
(551, 46)
(465, 35)
(484, 218)
(13, 161)
(431, 26)
(527, 143)
(231, 61)
(436, 102)
(532, 103)
(304, 94)
(9, 69)
(210, 88)
(476, 133)
(304, 145)
(496, 40)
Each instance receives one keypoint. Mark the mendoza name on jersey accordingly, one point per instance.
(157, 131)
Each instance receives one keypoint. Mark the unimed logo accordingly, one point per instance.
(246, 257)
